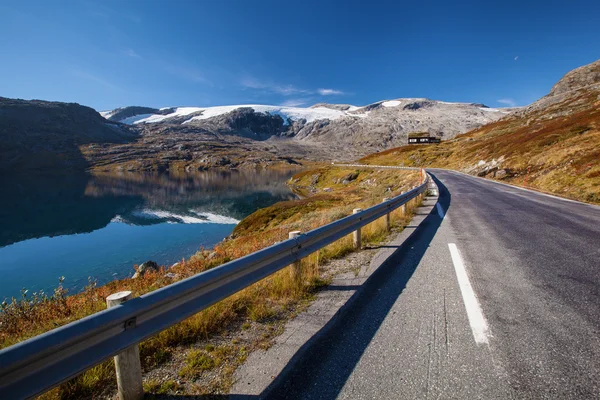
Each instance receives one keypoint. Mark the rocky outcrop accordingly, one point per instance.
(340, 107)
(120, 114)
(247, 123)
(573, 88)
(577, 79)
(415, 105)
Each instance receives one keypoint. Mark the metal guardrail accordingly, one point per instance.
(40, 363)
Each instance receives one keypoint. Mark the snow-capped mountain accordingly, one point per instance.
(351, 130)
(321, 111)
(201, 113)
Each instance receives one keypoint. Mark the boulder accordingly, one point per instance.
(315, 179)
(349, 178)
(145, 267)
(503, 173)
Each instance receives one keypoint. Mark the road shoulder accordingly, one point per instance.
(262, 367)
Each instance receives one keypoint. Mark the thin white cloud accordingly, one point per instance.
(294, 102)
(131, 53)
(288, 90)
(100, 11)
(285, 90)
(508, 102)
(329, 92)
(98, 80)
(187, 73)
(252, 83)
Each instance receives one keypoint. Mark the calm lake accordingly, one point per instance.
(81, 226)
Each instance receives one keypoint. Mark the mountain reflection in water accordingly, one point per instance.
(80, 225)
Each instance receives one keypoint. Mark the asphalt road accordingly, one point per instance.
(522, 320)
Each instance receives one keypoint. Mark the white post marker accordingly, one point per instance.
(127, 362)
(356, 235)
(296, 270)
(477, 321)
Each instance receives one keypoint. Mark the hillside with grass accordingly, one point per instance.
(199, 355)
(553, 145)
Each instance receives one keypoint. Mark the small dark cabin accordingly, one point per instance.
(422, 138)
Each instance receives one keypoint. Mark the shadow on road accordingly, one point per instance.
(321, 368)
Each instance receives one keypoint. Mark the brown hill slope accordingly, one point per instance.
(46, 135)
(552, 145)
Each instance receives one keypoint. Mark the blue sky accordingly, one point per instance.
(107, 54)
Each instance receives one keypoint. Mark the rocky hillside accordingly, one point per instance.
(552, 145)
(346, 131)
(387, 123)
(44, 135)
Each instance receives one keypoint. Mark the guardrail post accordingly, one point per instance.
(387, 217)
(403, 208)
(356, 236)
(127, 362)
(296, 270)
(417, 198)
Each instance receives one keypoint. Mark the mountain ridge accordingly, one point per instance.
(343, 131)
(238, 136)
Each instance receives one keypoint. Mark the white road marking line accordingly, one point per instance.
(440, 211)
(477, 321)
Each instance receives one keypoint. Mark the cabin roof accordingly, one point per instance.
(419, 134)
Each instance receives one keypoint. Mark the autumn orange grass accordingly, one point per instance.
(325, 198)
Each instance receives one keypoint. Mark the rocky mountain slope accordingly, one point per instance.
(44, 135)
(344, 130)
(551, 145)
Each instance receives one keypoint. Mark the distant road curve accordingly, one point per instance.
(375, 166)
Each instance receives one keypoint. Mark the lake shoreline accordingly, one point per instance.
(53, 214)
